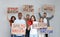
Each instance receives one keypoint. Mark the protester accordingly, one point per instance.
(46, 19)
(12, 19)
(42, 25)
(20, 21)
(28, 23)
(33, 32)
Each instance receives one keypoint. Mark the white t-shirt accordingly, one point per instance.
(33, 31)
(20, 21)
(45, 20)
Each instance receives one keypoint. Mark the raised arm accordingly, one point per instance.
(51, 17)
(8, 18)
(39, 13)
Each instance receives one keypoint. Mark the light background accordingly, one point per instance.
(4, 24)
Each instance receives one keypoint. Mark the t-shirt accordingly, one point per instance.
(45, 20)
(20, 21)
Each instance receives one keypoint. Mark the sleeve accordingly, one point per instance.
(50, 17)
(39, 15)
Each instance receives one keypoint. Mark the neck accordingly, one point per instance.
(19, 18)
(27, 18)
(40, 22)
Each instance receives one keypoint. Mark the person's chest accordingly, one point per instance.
(45, 20)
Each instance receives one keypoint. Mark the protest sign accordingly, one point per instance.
(18, 29)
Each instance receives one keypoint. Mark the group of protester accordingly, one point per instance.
(29, 21)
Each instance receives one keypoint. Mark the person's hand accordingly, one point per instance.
(28, 28)
(52, 13)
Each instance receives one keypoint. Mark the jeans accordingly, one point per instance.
(20, 36)
(27, 33)
(13, 35)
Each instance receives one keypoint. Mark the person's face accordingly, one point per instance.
(32, 18)
(44, 15)
(27, 17)
(13, 19)
(41, 20)
(19, 16)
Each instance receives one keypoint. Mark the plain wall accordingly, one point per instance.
(4, 24)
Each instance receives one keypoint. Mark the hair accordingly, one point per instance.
(27, 15)
(19, 13)
(33, 17)
(12, 18)
(40, 18)
(45, 13)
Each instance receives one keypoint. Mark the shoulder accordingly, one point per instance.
(23, 20)
(16, 20)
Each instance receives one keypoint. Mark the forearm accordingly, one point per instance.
(39, 14)
(51, 17)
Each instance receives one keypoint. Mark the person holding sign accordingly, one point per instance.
(12, 19)
(20, 22)
(41, 25)
(28, 23)
(33, 31)
(46, 19)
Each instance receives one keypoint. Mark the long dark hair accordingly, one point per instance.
(41, 18)
(33, 17)
(12, 18)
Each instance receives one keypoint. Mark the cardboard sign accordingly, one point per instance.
(18, 29)
(28, 8)
(48, 7)
(43, 27)
(46, 30)
(39, 25)
(12, 9)
(35, 24)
